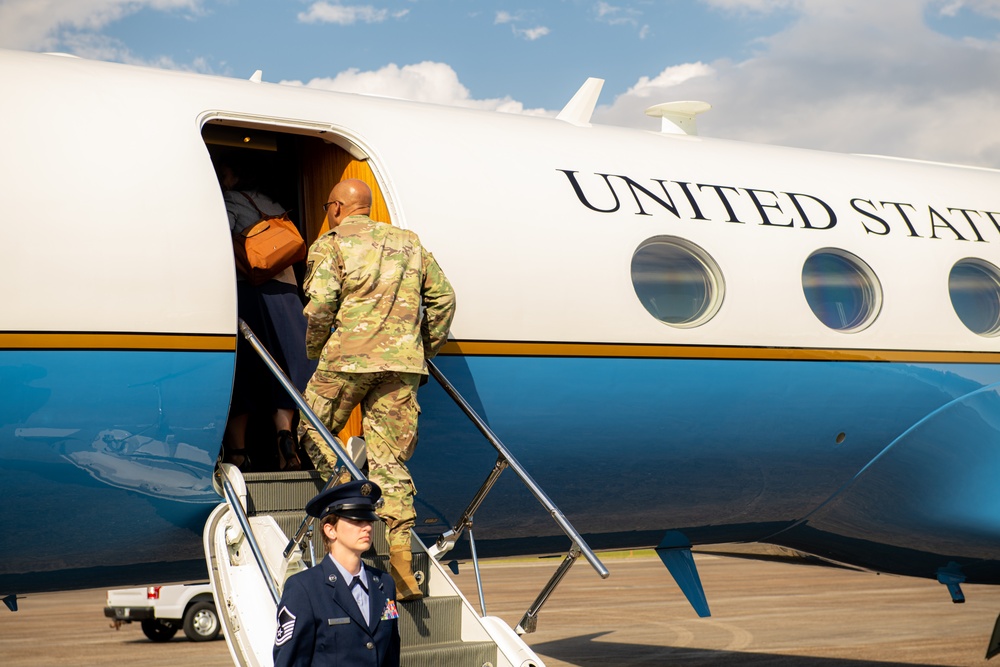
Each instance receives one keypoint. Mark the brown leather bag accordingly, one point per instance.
(267, 247)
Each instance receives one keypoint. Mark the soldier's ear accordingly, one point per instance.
(330, 531)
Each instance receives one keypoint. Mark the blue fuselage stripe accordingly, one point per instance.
(728, 450)
(116, 448)
(725, 449)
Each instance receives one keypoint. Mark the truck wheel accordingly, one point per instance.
(201, 622)
(158, 630)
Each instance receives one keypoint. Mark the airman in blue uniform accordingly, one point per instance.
(342, 611)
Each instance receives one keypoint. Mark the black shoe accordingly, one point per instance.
(238, 458)
(286, 450)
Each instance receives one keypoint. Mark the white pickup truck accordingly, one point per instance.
(163, 610)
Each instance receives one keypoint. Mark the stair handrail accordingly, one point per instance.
(505, 460)
(447, 539)
(332, 441)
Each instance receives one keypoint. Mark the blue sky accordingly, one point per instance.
(538, 56)
(914, 78)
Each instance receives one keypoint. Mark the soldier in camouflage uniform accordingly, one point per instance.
(366, 282)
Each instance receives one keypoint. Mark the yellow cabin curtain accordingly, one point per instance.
(325, 165)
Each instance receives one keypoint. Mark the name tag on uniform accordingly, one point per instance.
(338, 621)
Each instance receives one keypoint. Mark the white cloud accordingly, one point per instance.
(530, 34)
(985, 7)
(668, 78)
(40, 24)
(100, 47)
(943, 7)
(757, 6)
(422, 82)
(325, 12)
(849, 76)
(615, 15)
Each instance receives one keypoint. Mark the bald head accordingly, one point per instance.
(349, 197)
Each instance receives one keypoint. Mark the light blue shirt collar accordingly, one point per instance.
(360, 594)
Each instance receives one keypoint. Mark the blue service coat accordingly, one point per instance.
(319, 623)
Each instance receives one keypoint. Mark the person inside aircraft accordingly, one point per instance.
(340, 611)
(273, 311)
(379, 306)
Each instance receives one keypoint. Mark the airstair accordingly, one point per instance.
(261, 536)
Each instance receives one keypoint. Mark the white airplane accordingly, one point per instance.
(684, 340)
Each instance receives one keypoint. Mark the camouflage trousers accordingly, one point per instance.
(389, 412)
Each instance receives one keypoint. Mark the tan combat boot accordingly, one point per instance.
(401, 569)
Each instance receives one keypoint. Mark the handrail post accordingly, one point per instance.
(529, 622)
(475, 567)
(446, 541)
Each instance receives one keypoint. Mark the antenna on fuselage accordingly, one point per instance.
(678, 117)
(581, 107)
(257, 76)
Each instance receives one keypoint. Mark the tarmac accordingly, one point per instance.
(763, 613)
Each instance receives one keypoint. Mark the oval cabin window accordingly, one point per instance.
(974, 286)
(676, 281)
(841, 290)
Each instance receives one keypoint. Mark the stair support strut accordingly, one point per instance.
(446, 541)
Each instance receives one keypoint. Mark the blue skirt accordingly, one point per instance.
(273, 311)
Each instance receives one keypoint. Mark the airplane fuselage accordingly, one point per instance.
(654, 324)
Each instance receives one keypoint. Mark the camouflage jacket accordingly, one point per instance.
(366, 282)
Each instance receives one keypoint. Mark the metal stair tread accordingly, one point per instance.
(448, 654)
(280, 475)
(430, 620)
(269, 492)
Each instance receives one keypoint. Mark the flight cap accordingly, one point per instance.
(353, 500)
